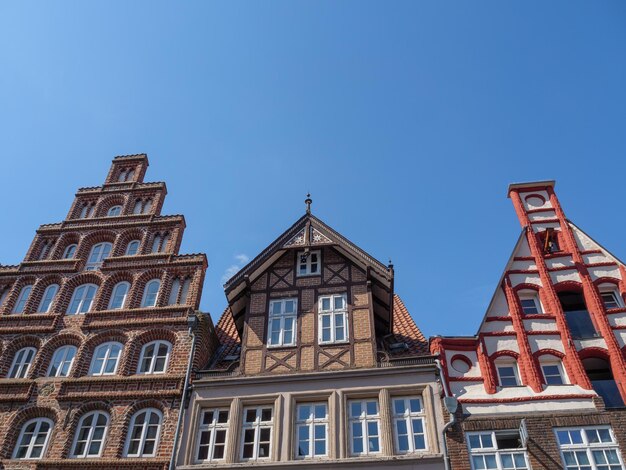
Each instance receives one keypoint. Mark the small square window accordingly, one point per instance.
(309, 263)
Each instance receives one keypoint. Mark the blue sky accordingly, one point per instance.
(405, 120)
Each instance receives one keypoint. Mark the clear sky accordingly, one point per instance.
(405, 120)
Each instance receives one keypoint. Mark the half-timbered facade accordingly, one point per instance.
(543, 383)
(94, 336)
(320, 365)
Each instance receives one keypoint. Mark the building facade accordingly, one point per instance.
(94, 335)
(319, 366)
(542, 384)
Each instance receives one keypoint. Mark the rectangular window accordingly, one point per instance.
(497, 450)
(256, 442)
(212, 435)
(507, 373)
(364, 422)
(552, 374)
(591, 448)
(311, 430)
(282, 322)
(333, 319)
(408, 425)
(309, 263)
(610, 300)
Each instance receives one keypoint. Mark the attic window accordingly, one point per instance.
(309, 263)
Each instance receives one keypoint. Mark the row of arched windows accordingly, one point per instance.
(154, 359)
(84, 295)
(142, 436)
(114, 207)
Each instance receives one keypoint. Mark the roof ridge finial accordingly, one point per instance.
(308, 201)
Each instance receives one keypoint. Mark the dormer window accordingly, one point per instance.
(309, 263)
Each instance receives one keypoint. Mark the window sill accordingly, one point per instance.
(309, 275)
(332, 343)
(281, 346)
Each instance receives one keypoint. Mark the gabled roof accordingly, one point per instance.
(308, 231)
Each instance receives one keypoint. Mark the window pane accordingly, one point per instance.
(398, 406)
(355, 409)
(326, 303)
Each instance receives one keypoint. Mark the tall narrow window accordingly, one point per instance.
(86, 211)
(69, 252)
(62, 361)
(118, 296)
(48, 296)
(507, 372)
(147, 206)
(166, 240)
(99, 253)
(82, 299)
(309, 263)
(114, 211)
(184, 291)
(21, 363)
(132, 248)
(4, 293)
(409, 430)
(282, 321)
(154, 357)
(173, 300)
(45, 249)
(137, 209)
(256, 443)
(577, 316)
(156, 244)
(333, 313)
(151, 293)
(498, 450)
(122, 176)
(364, 422)
(311, 430)
(106, 359)
(22, 299)
(211, 444)
(90, 435)
(144, 433)
(589, 448)
(33, 439)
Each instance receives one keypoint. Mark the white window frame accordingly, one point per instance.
(257, 425)
(408, 416)
(83, 301)
(311, 422)
(96, 258)
(493, 450)
(333, 314)
(22, 362)
(22, 299)
(31, 443)
(115, 295)
(108, 346)
(117, 209)
(308, 263)
(213, 428)
(586, 446)
(144, 298)
(60, 356)
(549, 360)
(534, 297)
(610, 289)
(46, 297)
(363, 420)
(507, 362)
(144, 431)
(130, 243)
(70, 251)
(89, 440)
(282, 317)
(157, 345)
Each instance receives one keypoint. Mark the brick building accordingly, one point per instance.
(320, 365)
(94, 335)
(542, 384)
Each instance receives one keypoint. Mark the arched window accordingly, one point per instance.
(21, 363)
(22, 299)
(159, 244)
(143, 434)
(552, 370)
(70, 251)
(122, 176)
(179, 292)
(99, 253)
(86, 211)
(45, 249)
(138, 207)
(132, 248)
(147, 206)
(82, 299)
(508, 374)
(114, 211)
(90, 435)
(62, 361)
(151, 293)
(130, 175)
(106, 358)
(118, 296)
(185, 291)
(33, 439)
(154, 358)
(48, 297)
(173, 300)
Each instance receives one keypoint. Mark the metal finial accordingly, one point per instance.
(308, 201)
(390, 265)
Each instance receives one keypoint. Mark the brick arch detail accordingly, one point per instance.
(76, 415)
(106, 203)
(88, 241)
(65, 293)
(40, 287)
(64, 241)
(47, 351)
(11, 299)
(106, 289)
(21, 417)
(548, 352)
(13, 347)
(136, 345)
(136, 293)
(124, 238)
(130, 412)
(504, 353)
(572, 286)
(85, 352)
